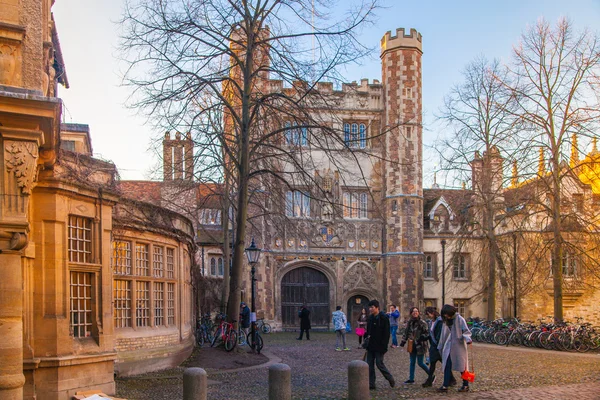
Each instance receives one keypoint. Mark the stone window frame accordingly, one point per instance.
(82, 257)
(462, 306)
(295, 136)
(355, 134)
(456, 272)
(353, 206)
(433, 271)
(82, 307)
(145, 309)
(122, 295)
(297, 204)
(570, 265)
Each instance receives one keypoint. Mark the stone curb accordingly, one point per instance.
(272, 360)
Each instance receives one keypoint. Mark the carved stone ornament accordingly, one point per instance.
(351, 243)
(360, 275)
(290, 242)
(277, 242)
(8, 64)
(375, 244)
(21, 161)
(363, 244)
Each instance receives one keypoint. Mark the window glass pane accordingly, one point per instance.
(122, 303)
(170, 303)
(289, 204)
(220, 263)
(142, 310)
(304, 137)
(80, 239)
(81, 304)
(346, 197)
(363, 205)
(121, 257)
(347, 134)
(213, 266)
(142, 263)
(363, 136)
(158, 262)
(159, 303)
(297, 204)
(306, 205)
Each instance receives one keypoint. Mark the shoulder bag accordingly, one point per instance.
(409, 345)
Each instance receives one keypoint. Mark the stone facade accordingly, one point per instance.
(57, 224)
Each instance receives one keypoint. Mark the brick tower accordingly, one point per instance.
(403, 186)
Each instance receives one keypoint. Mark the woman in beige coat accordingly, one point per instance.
(453, 346)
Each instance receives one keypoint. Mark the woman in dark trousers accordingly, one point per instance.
(435, 331)
(304, 315)
(418, 331)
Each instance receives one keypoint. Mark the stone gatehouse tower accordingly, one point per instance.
(367, 242)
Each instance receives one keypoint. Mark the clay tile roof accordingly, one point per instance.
(209, 195)
(147, 191)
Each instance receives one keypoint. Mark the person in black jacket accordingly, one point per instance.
(378, 334)
(304, 315)
(435, 332)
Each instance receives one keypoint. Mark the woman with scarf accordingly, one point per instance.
(453, 346)
(417, 331)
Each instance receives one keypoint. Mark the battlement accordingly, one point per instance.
(412, 41)
(276, 85)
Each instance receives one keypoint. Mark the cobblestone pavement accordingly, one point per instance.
(319, 372)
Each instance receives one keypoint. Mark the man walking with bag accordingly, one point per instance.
(376, 343)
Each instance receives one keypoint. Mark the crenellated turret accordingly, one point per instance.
(402, 170)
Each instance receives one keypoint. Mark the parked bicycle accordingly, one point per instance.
(263, 326)
(226, 333)
(255, 342)
(204, 330)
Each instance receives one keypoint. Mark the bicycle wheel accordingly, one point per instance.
(230, 340)
(266, 328)
(515, 339)
(241, 338)
(200, 337)
(216, 338)
(500, 338)
(259, 342)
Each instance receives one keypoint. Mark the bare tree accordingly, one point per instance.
(241, 75)
(477, 113)
(554, 83)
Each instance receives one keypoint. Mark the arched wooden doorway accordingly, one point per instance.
(355, 305)
(308, 286)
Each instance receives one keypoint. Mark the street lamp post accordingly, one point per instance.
(253, 254)
(443, 242)
(514, 237)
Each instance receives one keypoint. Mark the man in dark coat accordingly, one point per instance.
(378, 334)
(244, 317)
(304, 315)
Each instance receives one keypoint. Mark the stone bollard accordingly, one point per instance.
(194, 384)
(280, 382)
(358, 380)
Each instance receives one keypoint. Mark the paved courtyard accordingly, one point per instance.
(319, 372)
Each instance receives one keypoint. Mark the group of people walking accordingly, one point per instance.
(444, 337)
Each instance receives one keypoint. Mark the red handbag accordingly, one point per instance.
(360, 331)
(469, 375)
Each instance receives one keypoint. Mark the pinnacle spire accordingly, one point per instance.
(541, 164)
(515, 177)
(574, 152)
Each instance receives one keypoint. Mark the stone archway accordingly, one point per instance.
(305, 285)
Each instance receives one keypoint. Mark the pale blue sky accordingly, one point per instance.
(454, 33)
